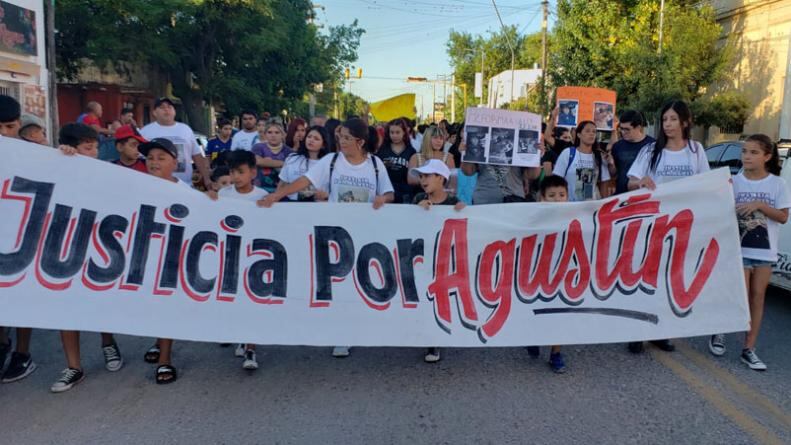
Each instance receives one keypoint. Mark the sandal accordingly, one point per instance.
(166, 374)
(152, 355)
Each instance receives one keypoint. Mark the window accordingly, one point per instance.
(732, 158)
(714, 153)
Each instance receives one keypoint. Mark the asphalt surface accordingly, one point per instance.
(388, 395)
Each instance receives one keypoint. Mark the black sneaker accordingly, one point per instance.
(20, 366)
(4, 350)
(112, 357)
(664, 345)
(636, 347)
(68, 378)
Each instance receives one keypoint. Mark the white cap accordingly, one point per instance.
(432, 167)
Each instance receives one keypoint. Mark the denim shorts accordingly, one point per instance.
(750, 263)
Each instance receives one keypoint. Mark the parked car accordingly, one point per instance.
(726, 154)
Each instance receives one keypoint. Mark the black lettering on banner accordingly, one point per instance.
(408, 251)
(116, 259)
(276, 267)
(199, 283)
(15, 262)
(325, 269)
(230, 275)
(146, 226)
(169, 275)
(51, 262)
(379, 253)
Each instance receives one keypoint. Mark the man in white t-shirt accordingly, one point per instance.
(248, 135)
(181, 135)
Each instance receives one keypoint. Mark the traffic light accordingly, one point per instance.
(348, 73)
(359, 73)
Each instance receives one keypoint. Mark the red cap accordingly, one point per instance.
(128, 131)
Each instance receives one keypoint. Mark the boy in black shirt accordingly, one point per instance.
(434, 175)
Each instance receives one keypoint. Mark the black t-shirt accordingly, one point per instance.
(449, 201)
(397, 169)
(624, 153)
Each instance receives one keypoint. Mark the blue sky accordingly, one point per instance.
(407, 38)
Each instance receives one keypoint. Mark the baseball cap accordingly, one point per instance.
(432, 167)
(31, 119)
(128, 131)
(161, 143)
(162, 100)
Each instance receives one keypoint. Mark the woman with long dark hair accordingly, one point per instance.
(584, 168)
(296, 131)
(674, 155)
(395, 152)
(331, 126)
(312, 148)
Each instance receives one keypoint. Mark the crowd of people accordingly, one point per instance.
(269, 162)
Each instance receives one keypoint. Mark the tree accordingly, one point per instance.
(728, 111)
(465, 50)
(262, 54)
(615, 45)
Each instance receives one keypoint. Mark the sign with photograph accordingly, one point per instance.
(502, 137)
(17, 30)
(578, 104)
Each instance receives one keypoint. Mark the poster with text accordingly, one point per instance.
(502, 137)
(578, 104)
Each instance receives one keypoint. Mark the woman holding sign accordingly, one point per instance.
(353, 174)
(673, 156)
(586, 170)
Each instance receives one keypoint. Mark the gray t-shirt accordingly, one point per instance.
(495, 182)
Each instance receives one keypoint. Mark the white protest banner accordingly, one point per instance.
(91, 246)
(502, 137)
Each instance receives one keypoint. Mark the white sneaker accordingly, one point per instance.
(239, 351)
(717, 345)
(340, 351)
(750, 359)
(250, 363)
(432, 355)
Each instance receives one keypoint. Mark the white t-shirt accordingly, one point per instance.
(759, 234)
(294, 168)
(672, 165)
(583, 176)
(244, 140)
(230, 192)
(183, 138)
(350, 183)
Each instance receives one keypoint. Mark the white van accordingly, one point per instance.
(781, 275)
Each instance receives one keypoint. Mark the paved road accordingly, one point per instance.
(387, 395)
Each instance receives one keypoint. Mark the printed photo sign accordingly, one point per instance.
(578, 104)
(502, 137)
(87, 245)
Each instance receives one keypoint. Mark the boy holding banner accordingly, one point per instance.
(434, 176)
(242, 164)
(83, 140)
(20, 365)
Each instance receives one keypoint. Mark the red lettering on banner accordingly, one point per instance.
(495, 292)
(452, 276)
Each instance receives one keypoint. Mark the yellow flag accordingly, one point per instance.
(397, 106)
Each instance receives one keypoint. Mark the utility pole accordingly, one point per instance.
(661, 25)
(510, 46)
(483, 77)
(545, 7)
(453, 98)
(52, 79)
(434, 101)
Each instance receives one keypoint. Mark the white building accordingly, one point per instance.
(500, 86)
(23, 67)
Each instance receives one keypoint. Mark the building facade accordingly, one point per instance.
(500, 86)
(761, 33)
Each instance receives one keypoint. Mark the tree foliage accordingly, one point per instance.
(262, 54)
(464, 51)
(616, 45)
